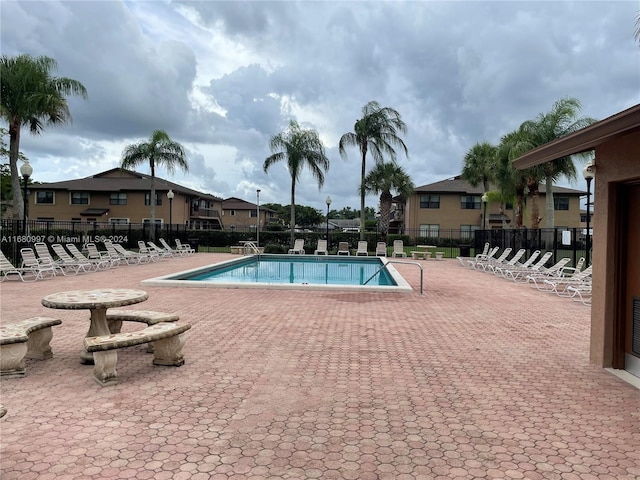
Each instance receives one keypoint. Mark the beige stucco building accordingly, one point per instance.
(454, 205)
(243, 215)
(121, 197)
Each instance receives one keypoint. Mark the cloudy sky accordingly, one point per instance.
(222, 77)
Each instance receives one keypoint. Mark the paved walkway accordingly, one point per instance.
(478, 378)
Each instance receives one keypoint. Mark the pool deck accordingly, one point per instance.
(477, 378)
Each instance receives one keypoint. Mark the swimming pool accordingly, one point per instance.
(292, 271)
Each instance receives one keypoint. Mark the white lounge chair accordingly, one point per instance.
(463, 260)
(560, 285)
(362, 249)
(67, 260)
(492, 267)
(97, 263)
(184, 247)
(398, 249)
(160, 251)
(381, 249)
(343, 248)
(43, 268)
(173, 251)
(484, 266)
(536, 278)
(321, 249)
(102, 255)
(501, 270)
(44, 255)
(482, 258)
(520, 274)
(298, 247)
(132, 257)
(9, 271)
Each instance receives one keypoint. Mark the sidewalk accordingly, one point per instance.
(477, 378)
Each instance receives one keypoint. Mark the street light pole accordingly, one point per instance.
(484, 215)
(258, 212)
(25, 170)
(328, 201)
(588, 172)
(170, 196)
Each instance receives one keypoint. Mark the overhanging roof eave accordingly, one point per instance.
(588, 138)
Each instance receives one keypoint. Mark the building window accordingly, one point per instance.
(147, 221)
(79, 198)
(119, 221)
(427, 230)
(254, 213)
(583, 217)
(429, 201)
(470, 202)
(232, 213)
(147, 197)
(76, 219)
(45, 219)
(466, 231)
(560, 203)
(117, 198)
(44, 197)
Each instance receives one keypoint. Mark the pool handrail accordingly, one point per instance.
(397, 261)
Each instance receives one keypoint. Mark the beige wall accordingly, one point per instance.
(135, 209)
(243, 219)
(450, 216)
(616, 161)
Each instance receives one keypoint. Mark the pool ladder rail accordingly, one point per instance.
(398, 261)
(250, 246)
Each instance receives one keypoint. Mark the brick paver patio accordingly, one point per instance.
(478, 378)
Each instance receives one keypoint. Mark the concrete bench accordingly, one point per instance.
(150, 317)
(421, 254)
(26, 339)
(167, 340)
(237, 249)
(439, 255)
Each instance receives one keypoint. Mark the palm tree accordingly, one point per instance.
(298, 148)
(480, 165)
(376, 131)
(160, 150)
(511, 182)
(561, 120)
(383, 179)
(30, 96)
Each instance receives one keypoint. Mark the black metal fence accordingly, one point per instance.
(14, 235)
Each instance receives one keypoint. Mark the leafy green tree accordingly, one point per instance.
(561, 120)
(30, 96)
(159, 151)
(299, 148)
(377, 131)
(383, 179)
(308, 216)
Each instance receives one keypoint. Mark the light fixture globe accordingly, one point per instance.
(170, 194)
(26, 169)
(589, 171)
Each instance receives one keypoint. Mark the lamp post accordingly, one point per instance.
(328, 201)
(588, 172)
(25, 170)
(485, 199)
(258, 215)
(170, 196)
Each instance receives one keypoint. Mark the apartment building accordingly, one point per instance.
(453, 204)
(243, 215)
(123, 196)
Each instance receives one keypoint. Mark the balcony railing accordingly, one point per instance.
(205, 212)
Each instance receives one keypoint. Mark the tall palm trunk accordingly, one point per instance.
(519, 207)
(363, 173)
(152, 201)
(550, 210)
(14, 148)
(293, 214)
(386, 199)
(534, 193)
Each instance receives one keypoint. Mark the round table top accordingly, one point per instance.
(96, 298)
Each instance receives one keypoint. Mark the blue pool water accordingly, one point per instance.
(316, 272)
(310, 270)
